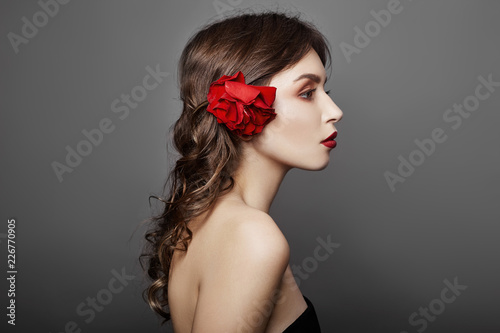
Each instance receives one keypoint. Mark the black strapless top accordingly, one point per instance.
(307, 322)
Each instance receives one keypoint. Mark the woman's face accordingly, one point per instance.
(306, 115)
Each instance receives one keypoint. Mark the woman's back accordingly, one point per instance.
(236, 263)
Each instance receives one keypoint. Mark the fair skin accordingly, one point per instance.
(238, 260)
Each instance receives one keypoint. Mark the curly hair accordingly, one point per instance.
(260, 45)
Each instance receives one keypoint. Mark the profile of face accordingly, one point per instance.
(305, 116)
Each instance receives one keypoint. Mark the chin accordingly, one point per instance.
(322, 166)
(315, 165)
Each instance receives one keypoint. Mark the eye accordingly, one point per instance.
(308, 94)
(328, 92)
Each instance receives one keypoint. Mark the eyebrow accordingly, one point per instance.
(310, 76)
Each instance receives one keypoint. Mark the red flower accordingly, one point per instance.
(245, 109)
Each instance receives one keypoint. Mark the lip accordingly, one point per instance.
(329, 141)
(331, 137)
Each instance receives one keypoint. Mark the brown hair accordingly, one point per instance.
(259, 45)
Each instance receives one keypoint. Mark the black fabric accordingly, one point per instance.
(307, 322)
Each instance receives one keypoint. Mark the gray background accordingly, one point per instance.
(397, 247)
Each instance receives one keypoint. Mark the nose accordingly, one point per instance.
(331, 112)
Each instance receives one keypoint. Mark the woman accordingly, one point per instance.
(254, 107)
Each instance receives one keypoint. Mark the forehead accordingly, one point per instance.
(310, 63)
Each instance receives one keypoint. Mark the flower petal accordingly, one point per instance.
(241, 91)
(244, 109)
(267, 93)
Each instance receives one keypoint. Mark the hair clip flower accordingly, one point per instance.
(244, 109)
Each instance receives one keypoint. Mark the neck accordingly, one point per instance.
(257, 180)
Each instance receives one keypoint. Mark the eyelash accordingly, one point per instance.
(311, 91)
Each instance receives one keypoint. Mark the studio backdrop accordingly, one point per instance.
(399, 233)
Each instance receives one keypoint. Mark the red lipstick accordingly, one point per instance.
(329, 141)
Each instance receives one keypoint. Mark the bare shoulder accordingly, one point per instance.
(235, 231)
(243, 269)
(254, 235)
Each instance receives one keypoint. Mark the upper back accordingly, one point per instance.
(236, 253)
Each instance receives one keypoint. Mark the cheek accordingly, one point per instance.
(297, 123)
(294, 130)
